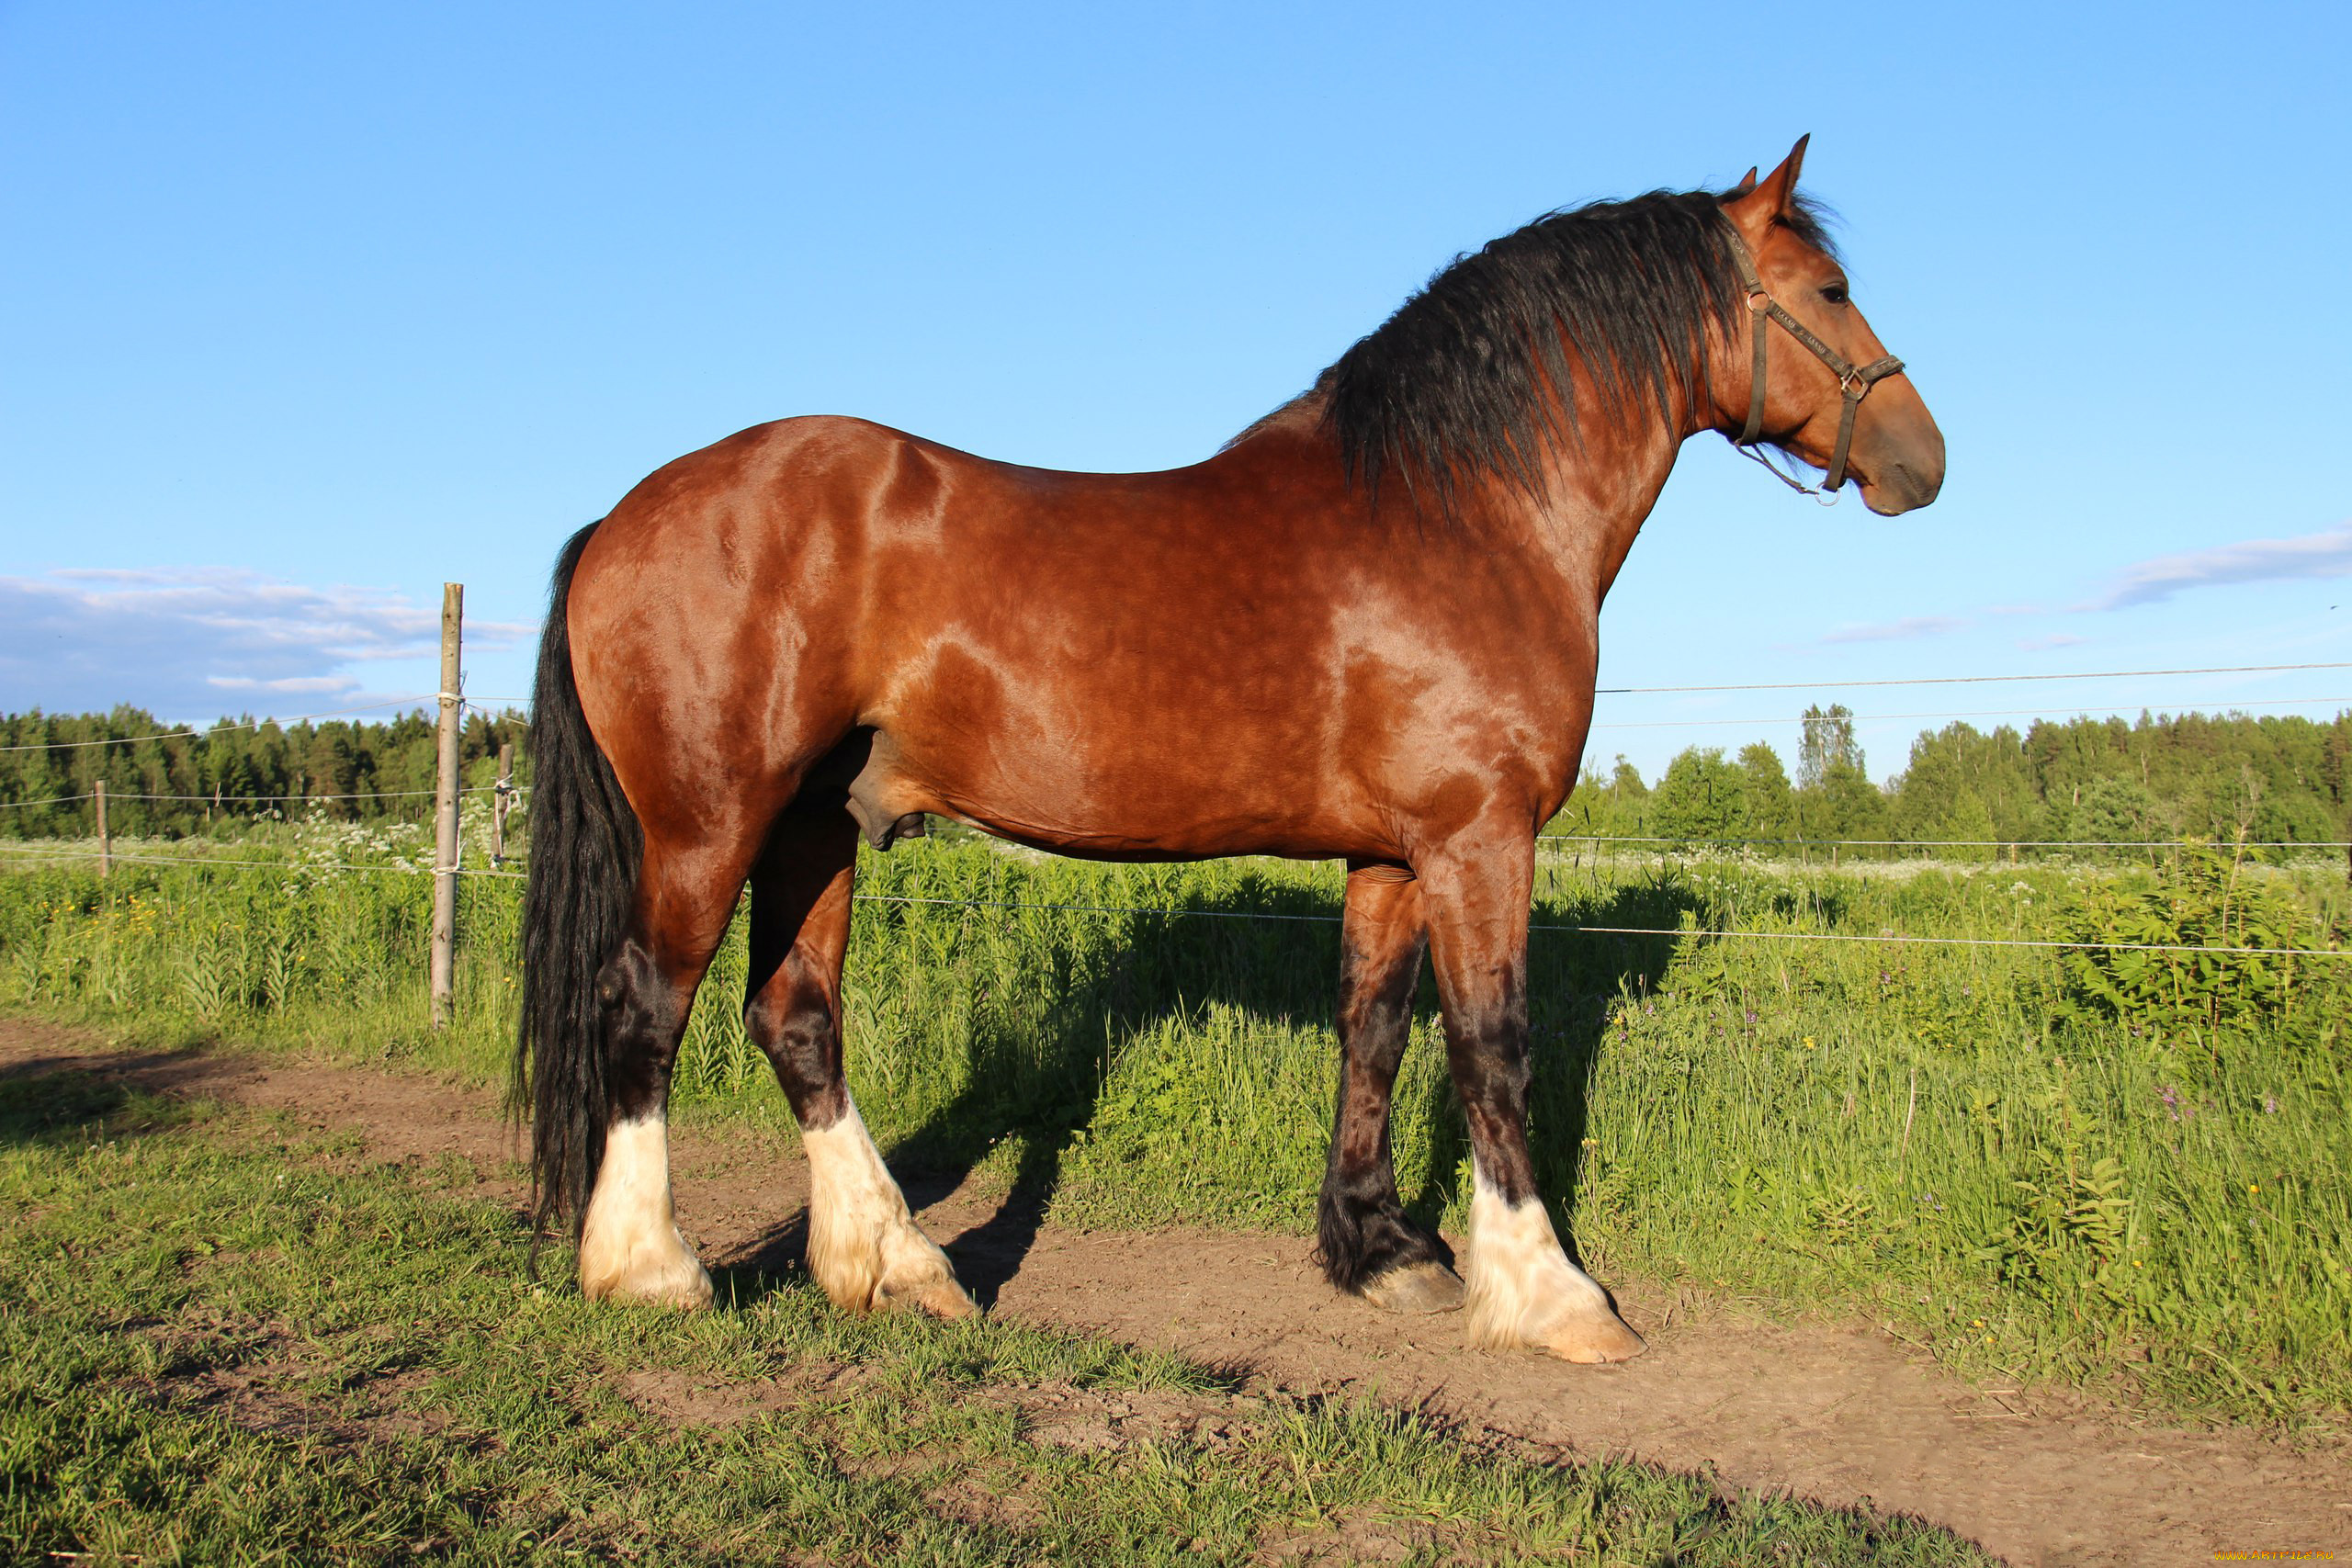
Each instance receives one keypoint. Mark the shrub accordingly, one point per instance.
(2203, 900)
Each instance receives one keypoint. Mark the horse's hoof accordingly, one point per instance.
(680, 1281)
(1593, 1340)
(916, 1273)
(1416, 1288)
(936, 1294)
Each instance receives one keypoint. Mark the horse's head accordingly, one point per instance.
(1830, 392)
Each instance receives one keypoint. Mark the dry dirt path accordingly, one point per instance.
(1832, 1412)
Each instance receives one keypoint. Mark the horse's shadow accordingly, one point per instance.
(1270, 949)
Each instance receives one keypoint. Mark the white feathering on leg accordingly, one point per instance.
(864, 1247)
(1524, 1292)
(629, 1246)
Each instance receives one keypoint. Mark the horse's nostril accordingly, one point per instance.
(1915, 487)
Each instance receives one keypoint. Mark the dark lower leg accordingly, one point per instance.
(629, 1246)
(1362, 1234)
(864, 1247)
(1523, 1288)
(799, 934)
(646, 1008)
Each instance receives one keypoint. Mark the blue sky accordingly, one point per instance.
(304, 310)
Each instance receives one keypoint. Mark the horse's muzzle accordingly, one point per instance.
(1903, 488)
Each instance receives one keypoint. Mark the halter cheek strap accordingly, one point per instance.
(1854, 384)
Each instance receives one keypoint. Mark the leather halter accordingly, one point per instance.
(1853, 383)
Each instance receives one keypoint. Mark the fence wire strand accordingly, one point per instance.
(2167, 708)
(1967, 680)
(225, 801)
(1952, 843)
(1889, 937)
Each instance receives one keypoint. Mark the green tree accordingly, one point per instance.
(1845, 805)
(1701, 796)
(1828, 742)
(1771, 805)
(2115, 810)
(1614, 808)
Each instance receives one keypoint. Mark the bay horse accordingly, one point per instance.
(1365, 629)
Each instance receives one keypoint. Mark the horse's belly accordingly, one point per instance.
(1091, 799)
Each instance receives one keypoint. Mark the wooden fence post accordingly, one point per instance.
(500, 800)
(106, 839)
(445, 807)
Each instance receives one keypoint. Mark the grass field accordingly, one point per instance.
(2143, 1188)
(223, 1339)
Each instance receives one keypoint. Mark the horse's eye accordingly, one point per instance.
(1835, 294)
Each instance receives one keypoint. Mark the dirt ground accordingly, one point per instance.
(1832, 1411)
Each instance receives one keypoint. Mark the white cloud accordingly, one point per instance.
(1896, 631)
(2055, 639)
(285, 683)
(177, 640)
(2324, 554)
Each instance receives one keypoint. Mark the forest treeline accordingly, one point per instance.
(2280, 779)
(233, 772)
(2272, 779)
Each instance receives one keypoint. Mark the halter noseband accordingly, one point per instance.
(1855, 384)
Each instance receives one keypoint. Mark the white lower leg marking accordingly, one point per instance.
(630, 1244)
(1524, 1290)
(864, 1247)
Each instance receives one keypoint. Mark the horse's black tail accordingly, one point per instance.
(585, 848)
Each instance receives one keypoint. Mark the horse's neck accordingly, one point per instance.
(1599, 492)
(1604, 470)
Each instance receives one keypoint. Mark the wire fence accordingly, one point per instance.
(1968, 712)
(1946, 843)
(1967, 680)
(1666, 839)
(1893, 937)
(134, 857)
(225, 801)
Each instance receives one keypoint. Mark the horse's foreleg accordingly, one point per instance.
(1523, 1288)
(864, 1247)
(1363, 1239)
(630, 1244)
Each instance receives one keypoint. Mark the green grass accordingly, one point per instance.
(1944, 1139)
(223, 1339)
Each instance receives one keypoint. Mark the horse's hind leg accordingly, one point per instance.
(863, 1246)
(1363, 1239)
(630, 1244)
(1524, 1290)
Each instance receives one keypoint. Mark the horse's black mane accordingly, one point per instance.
(1453, 389)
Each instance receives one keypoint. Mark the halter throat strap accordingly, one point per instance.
(1854, 383)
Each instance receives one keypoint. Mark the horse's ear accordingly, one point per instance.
(1747, 182)
(1776, 196)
